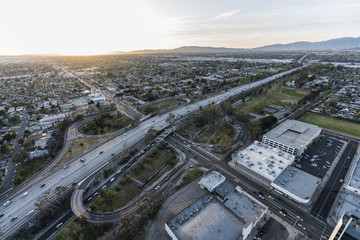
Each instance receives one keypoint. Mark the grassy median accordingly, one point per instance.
(80, 145)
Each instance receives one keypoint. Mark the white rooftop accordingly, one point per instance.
(297, 184)
(209, 219)
(266, 161)
(354, 183)
(212, 180)
(293, 133)
(247, 208)
(349, 202)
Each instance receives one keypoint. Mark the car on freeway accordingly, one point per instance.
(24, 194)
(42, 185)
(14, 218)
(59, 225)
(101, 152)
(282, 213)
(30, 212)
(1, 215)
(95, 194)
(271, 197)
(157, 187)
(103, 187)
(7, 202)
(112, 179)
(82, 160)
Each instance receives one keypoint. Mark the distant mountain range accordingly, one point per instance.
(332, 44)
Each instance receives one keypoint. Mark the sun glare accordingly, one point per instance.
(86, 27)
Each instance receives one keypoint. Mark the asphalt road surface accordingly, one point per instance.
(327, 197)
(314, 227)
(77, 171)
(9, 178)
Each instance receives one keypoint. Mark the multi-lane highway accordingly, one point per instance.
(78, 170)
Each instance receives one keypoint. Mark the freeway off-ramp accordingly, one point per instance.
(77, 171)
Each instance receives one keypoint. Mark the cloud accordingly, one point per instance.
(227, 14)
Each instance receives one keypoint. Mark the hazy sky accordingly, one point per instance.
(91, 27)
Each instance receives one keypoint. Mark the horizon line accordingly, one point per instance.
(161, 49)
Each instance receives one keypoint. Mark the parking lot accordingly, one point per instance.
(317, 159)
(272, 230)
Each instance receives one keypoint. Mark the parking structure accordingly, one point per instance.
(318, 158)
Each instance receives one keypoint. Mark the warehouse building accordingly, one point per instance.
(238, 218)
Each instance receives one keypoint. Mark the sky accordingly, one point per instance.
(79, 27)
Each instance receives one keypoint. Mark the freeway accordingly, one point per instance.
(77, 171)
(314, 227)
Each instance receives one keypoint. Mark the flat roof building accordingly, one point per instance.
(354, 183)
(296, 184)
(347, 228)
(211, 181)
(264, 161)
(209, 219)
(224, 189)
(292, 136)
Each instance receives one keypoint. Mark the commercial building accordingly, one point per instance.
(49, 120)
(296, 184)
(208, 218)
(347, 228)
(354, 183)
(261, 161)
(211, 181)
(97, 97)
(292, 136)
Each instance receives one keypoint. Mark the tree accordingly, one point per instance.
(256, 130)
(98, 105)
(21, 141)
(20, 156)
(112, 106)
(170, 118)
(332, 102)
(5, 148)
(227, 107)
(42, 203)
(152, 132)
(78, 117)
(267, 122)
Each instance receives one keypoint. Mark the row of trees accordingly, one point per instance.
(106, 123)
